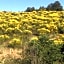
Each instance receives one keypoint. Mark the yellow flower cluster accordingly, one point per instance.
(15, 41)
(59, 41)
(34, 38)
(41, 22)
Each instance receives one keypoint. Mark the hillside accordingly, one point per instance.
(15, 24)
(18, 28)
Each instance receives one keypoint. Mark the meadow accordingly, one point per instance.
(35, 37)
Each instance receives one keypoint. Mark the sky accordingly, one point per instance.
(21, 5)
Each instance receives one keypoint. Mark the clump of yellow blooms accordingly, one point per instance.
(27, 32)
(34, 38)
(59, 41)
(43, 30)
(30, 23)
(15, 41)
(4, 36)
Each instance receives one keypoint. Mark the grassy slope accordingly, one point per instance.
(16, 26)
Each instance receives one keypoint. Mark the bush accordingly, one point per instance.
(3, 38)
(50, 52)
(61, 29)
(26, 61)
(15, 42)
(43, 51)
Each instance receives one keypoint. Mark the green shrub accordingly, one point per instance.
(50, 52)
(26, 61)
(43, 51)
(61, 29)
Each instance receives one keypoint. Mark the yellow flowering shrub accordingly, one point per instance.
(43, 30)
(4, 38)
(27, 32)
(18, 24)
(59, 41)
(34, 38)
(14, 42)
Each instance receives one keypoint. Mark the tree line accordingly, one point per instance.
(56, 6)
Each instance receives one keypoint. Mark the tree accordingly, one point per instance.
(30, 9)
(49, 7)
(56, 6)
(41, 8)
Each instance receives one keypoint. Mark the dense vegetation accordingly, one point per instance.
(39, 34)
(56, 6)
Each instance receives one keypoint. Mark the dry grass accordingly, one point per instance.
(13, 53)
